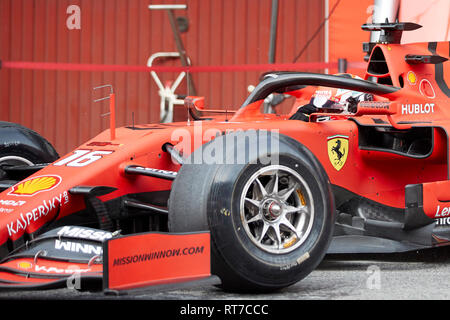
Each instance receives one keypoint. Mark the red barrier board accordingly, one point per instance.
(140, 260)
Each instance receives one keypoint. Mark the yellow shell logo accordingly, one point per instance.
(24, 265)
(35, 185)
(412, 78)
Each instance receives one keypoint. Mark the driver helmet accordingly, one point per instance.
(339, 99)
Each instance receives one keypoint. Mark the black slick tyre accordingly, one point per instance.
(22, 146)
(271, 216)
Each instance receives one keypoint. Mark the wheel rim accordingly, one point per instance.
(15, 161)
(276, 209)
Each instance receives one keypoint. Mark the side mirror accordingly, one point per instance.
(198, 104)
(382, 108)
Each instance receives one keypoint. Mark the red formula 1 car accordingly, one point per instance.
(273, 192)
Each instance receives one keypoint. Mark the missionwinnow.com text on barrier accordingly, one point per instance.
(137, 258)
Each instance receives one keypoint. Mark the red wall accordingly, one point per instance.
(346, 36)
(59, 104)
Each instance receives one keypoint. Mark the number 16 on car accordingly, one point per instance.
(82, 158)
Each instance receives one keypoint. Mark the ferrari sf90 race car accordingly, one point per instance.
(275, 192)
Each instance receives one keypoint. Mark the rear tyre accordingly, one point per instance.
(270, 223)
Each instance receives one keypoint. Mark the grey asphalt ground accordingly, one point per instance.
(423, 275)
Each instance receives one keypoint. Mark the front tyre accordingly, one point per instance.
(270, 223)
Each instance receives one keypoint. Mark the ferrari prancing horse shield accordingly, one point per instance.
(337, 151)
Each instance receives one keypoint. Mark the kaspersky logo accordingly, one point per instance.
(35, 185)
